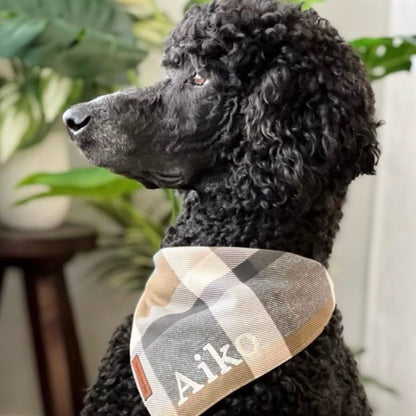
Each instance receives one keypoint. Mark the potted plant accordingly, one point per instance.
(55, 53)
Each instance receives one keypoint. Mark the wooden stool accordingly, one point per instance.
(41, 256)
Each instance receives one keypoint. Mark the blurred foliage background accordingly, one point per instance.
(60, 52)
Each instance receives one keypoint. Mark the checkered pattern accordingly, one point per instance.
(211, 320)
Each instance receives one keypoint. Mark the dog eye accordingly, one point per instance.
(199, 80)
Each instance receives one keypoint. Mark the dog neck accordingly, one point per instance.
(217, 216)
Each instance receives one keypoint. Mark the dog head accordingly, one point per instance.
(255, 88)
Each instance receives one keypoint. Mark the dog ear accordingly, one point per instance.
(309, 130)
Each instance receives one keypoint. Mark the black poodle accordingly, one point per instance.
(264, 118)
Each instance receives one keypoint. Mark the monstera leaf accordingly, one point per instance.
(383, 56)
(70, 36)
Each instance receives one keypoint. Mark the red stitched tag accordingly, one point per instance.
(141, 378)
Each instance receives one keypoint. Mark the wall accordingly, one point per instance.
(360, 251)
(349, 261)
(390, 326)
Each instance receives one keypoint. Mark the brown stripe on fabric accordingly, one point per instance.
(303, 336)
(159, 288)
(268, 358)
(212, 393)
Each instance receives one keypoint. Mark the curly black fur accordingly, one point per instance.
(297, 130)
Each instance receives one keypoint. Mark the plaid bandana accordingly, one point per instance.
(211, 320)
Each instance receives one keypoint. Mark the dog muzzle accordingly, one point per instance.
(212, 319)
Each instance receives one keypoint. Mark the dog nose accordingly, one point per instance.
(76, 118)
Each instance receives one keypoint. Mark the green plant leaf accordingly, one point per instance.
(30, 104)
(22, 121)
(306, 4)
(366, 380)
(153, 30)
(17, 32)
(174, 201)
(151, 26)
(89, 183)
(128, 257)
(108, 208)
(191, 3)
(151, 230)
(358, 352)
(140, 8)
(70, 37)
(56, 93)
(386, 55)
